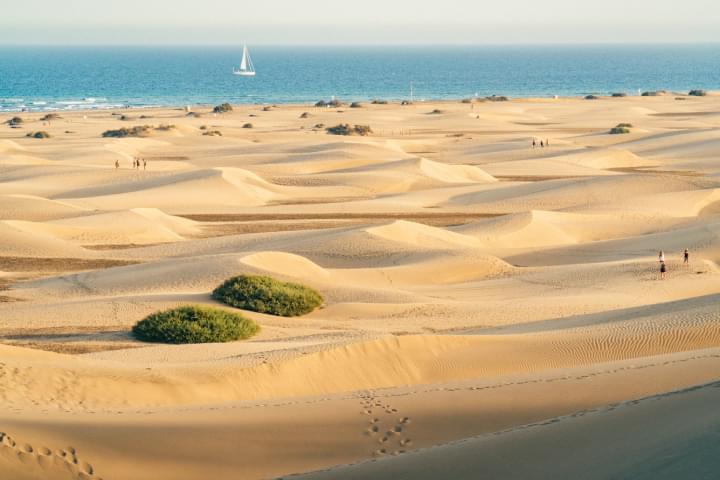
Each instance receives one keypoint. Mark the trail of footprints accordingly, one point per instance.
(44, 459)
(386, 426)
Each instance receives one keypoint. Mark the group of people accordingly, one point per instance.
(663, 266)
(544, 144)
(137, 162)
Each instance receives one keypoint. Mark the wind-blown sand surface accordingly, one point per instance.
(491, 309)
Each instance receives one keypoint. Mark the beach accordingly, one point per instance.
(493, 302)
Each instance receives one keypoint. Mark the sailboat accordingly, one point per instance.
(247, 69)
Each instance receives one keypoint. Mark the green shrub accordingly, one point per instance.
(656, 93)
(379, 102)
(497, 98)
(194, 324)
(247, 125)
(466, 100)
(624, 125)
(697, 93)
(223, 108)
(356, 105)
(591, 97)
(437, 111)
(213, 133)
(137, 131)
(619, 95)
(267, 295)
(619, 130)
(347, 129)
(41, 134)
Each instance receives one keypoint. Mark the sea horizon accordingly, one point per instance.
(52, 78)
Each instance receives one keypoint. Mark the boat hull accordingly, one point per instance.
(243, 74)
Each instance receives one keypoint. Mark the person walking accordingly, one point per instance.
(663, 270)
(144, 164)
(686, 258)
(534, 143)
(117, 164)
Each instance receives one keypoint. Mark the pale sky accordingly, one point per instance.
(184, 22)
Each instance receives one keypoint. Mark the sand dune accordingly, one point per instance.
(490, 308)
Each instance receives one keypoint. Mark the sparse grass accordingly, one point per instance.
(247, 125)
(165, 128)
(356, 105)
(624, 125)
(49, 117)
(319, 126)
(212, 133)
(223, 108)
(437, 111)
(497, 98)
(40, 134)
(466, 100)
(267, 295)
(591, 97)
(194, 324)
(347, 129)
(379, 102)
(267, 109)
(697, 93)
(619, 95)
(304, 115)
(619, 130)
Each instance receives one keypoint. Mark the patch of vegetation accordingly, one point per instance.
(213, 133)
(223, 108)
(144, 117)
(15, 121)
(125, 118)
(497, 98)
(619, 95)
(379, 102)
(165, 128)
(247, 125)
(40, 134)
(591, 97)
(304, 115)
(137, 131)
(655, 93)
(319, 126)
(356, 105)
(697, 93)
(267, 295)
(267, 109)
(347, 129)
(437, 111)
(49, 117)
(466, 100)
(619, 130)
(194, 324)
(624, 125)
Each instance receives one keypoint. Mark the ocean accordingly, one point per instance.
(67, 78)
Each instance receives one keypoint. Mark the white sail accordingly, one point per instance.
(246, 66)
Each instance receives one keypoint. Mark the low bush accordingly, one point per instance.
(267, 295)
(304, 115)
(247, 125)
(194, 324)
(655, 93)
(379, 102)
(319, 125)
(223, 108)
(619, 95)
(267, 109)
(212, 133)
(697, 93)
(137, 131)
(591, 97)
(497, 98)
(347, 129)
(437, 111)
(40, 134)
(619, 130)
(624, 125)
(466, 100)
(165, 128)
(49, 117)
(356, 105)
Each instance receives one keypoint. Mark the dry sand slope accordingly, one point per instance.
(474, 285)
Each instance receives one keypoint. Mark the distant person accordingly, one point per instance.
(542, 145)
(686, 258)
(661, 256)
(663, 270)
(534, 143)
(117, 164)
(144, 164)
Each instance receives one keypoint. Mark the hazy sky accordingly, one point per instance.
(361, 22)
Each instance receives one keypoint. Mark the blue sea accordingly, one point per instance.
(66, 78)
